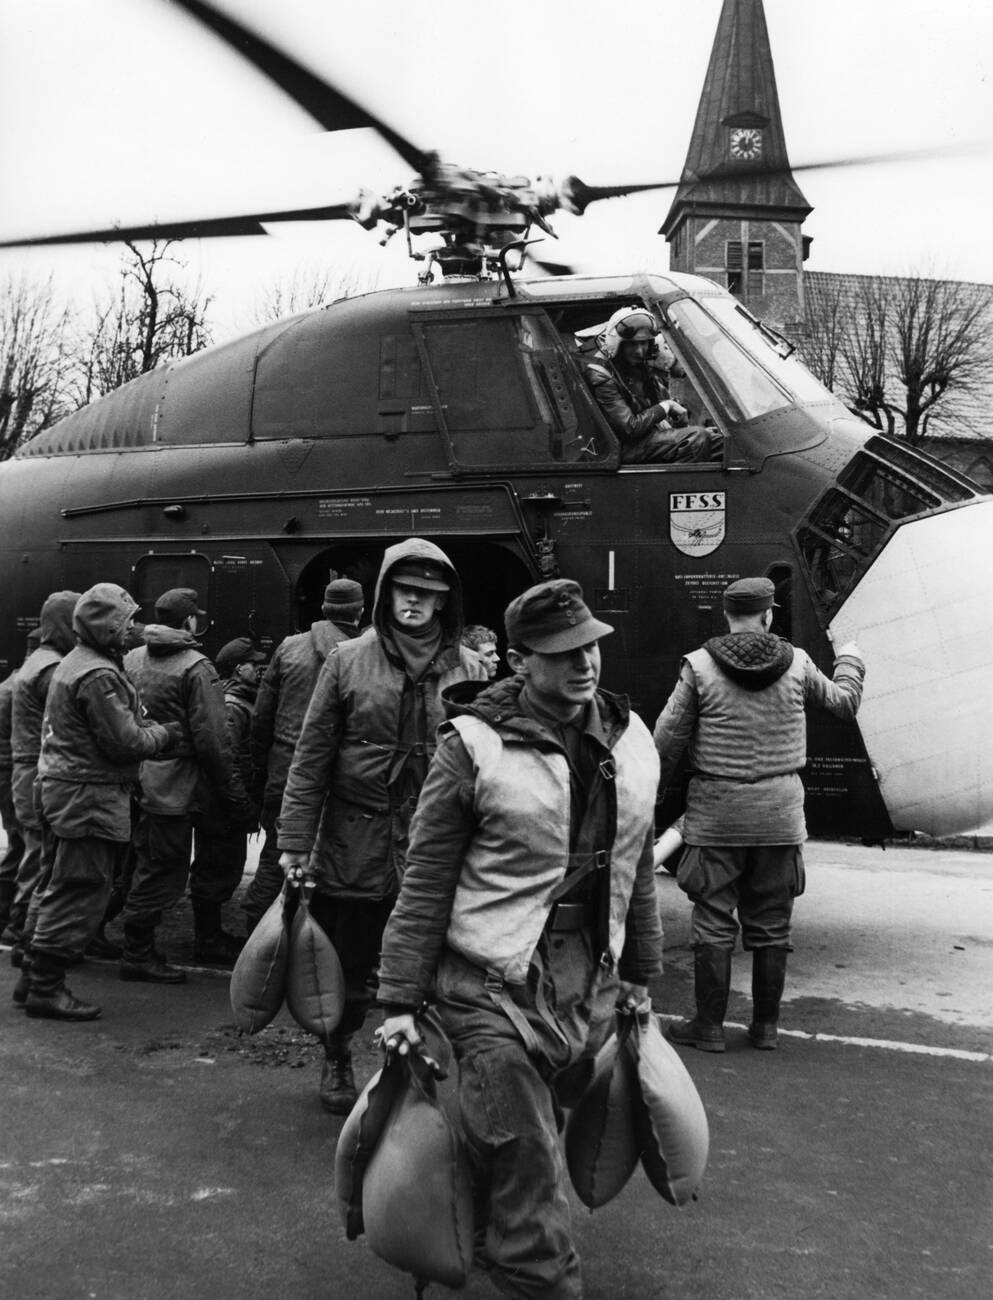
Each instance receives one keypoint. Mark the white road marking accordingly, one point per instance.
(920, 1049)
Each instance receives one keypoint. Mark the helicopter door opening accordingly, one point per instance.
(492, 574)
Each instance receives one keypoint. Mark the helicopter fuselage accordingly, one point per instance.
(459, 412)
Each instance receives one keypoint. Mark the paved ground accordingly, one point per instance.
(157, 1154)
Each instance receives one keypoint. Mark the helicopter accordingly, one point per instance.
(457, 409)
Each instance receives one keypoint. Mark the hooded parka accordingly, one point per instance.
(366, 740)
(94, 736)
(177, 683)
(30, 692)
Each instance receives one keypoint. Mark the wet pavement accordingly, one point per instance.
(158, 1153)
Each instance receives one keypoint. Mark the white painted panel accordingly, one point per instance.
(923, 618)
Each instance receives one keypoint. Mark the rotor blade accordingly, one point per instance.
(577, 195)
(206, 228)
(551, 268)
(331, 108)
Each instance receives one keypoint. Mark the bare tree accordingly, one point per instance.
(902, 351)
(150, 317)
(307, 287)
(33, 360)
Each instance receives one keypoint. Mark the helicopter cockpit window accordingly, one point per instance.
(751, 370)
(505, 392)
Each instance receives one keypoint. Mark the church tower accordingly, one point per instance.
(737, 214)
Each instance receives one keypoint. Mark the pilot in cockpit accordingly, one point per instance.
(628, 373)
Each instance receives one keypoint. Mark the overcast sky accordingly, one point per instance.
(126, 110)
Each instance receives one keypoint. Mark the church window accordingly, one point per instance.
(745, 264)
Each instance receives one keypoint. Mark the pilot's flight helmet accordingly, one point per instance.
(627, 325)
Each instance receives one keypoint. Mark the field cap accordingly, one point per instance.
(421, 573)
(749, 596)
(180, 602)
(552, 617)
(242, 650)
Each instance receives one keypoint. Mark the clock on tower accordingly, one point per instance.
(745, 143)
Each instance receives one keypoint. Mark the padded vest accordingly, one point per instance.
(29, 705)
(68, 751)
(520, 850)
(744, 735)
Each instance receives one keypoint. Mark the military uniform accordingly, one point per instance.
(94, 738)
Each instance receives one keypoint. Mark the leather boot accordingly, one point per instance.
(211, 944)
(338, 1092)
(20, 993)
(48, 998)
(768, 980)
(142, 963)
(712, 985)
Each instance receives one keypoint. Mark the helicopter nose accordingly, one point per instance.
(923, 617)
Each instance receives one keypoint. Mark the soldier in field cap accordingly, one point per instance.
(527, 911)
(739, 708)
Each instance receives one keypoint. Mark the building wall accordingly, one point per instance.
(772, 290)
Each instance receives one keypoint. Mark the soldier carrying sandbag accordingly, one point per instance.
(528, 911)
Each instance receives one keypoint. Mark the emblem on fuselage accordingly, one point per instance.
(696, 521)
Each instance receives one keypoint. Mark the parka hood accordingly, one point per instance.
(101, 615)
(162, 640)
(417, 548)
(56, 620)
(752, 659)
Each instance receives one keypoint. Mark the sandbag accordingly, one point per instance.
(402, 1176)
(258, 981)
(315, 982)
(602, 1143)
(357, 1140)
(672, 1124)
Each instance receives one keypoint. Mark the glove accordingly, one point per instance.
(850, 648)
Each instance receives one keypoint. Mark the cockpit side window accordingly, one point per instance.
(505, 393)
(881, 487)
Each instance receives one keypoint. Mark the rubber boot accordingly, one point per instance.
(212, 944)
(338, 1092)
(142, 963)
(768, 979)
(712, 985)
(48, 998)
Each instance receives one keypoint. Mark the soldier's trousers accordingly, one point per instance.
(73, 905)
(161, 867)
(218, 865)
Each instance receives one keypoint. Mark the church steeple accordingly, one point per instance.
(737, 214)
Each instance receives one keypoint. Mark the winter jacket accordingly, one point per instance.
(6, 723)
(178, 683)
(212, 817)
(365, 743)
(282, 701)
(494, 838)
(630, 403)
(30, 693)
(739, 707)
(94, 736)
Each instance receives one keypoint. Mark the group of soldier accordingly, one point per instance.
(481, 847)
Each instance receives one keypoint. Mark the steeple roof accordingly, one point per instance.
(739, 91)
